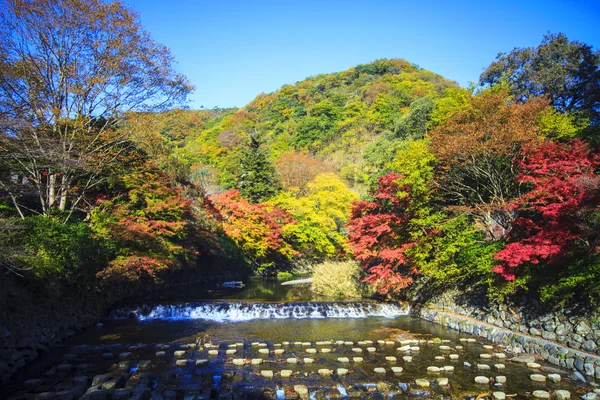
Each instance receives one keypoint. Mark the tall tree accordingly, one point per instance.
(567, 72)
(68, 70)
(256, 176)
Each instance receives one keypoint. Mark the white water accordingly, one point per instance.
(244, 311)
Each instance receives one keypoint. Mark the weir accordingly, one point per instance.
(247, 311)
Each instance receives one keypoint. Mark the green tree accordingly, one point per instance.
(567, 72)
(256, 176)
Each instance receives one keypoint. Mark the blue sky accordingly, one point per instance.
(234, 50)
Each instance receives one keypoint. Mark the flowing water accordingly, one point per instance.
(219, 342)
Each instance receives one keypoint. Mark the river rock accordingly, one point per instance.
(286, 373)
(238, 361)
(433, 369)
(540, 394)
(499, 395)
(439, 358)
(213, 352)
(302, 391)
(371, 349)
(453, 356)
(422, 382)
(485, 356)
(279, 351)
(182, 363)
(261, 351)
(390, 358)
(537, 377)
(357, 359)
(442, 381)
(357, 350)
(342, 371)
(444, 348)
(488, 347)
(325, 372)
(500, 356)
(292, 360)
(556, 378)
(343, 359)
(524, 359)
(256, 361)
(179, 353)
(483, 367)
(500, 379)
(562, 395)
(325, 350)
(379, 370)
(311, 351)
(397, 370)
(266, 374)
(201, 363)
(407, 358)
(448, 368)
(404, 348)
(482, 379)
(308, 360)
(534, 365)
(590, 396)
(499, 366)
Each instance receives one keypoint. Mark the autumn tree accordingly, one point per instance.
(317, 230)
(567, 72)
(68, 70)
(558, 217)
(380, 235)
(474, 149)
(296, 170)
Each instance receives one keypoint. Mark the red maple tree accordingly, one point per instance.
(555, 216)
(379, 235)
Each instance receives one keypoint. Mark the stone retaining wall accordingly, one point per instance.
(559, 354)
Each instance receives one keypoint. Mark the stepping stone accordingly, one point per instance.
(381, 341)
(325, 350)
(499, 366)
(422, 382)
(390, 342)
(357, 359)
(371, 349)
(459, 347)
(343, 359)
(486, 356)
(433, 369)
(286, 373)
(292, 360)
(348, 343)
(277, 345)
(238, 361)
(540, 394)
(339, 342)
(439, 358)
(32, 384)
(232, 345)
(324, 372)
(538, 377)
(525, 358)
(357, 350)
(453, 356)
(256, 361)
(286, 343)
(415, 348)
(342, 371)
(471, 340)
(279, 351)
(445, 348)
(179, 353)
(482, 379)
(379, 370)
(254, 344)
(302, 391)
(500, 356)
(201, 363)
(407, 358)
(266, 374)
(498, 395)
(297, 343)
(397, 370)
(442, 381)
(213, 352)
(308, 360)
(262, 345)
(261, 351)
(368, 341)
(182, 363)
(306, 344)
(533, 365)
(554, 378)
(483, 367)
(500, 379)
(488, 347)
(125, 355)
(562, 395)
(448, 368)
(361, 343)
(311, 351)
(404, 348)
(390, 359)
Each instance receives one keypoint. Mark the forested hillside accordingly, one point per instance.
(386, 164)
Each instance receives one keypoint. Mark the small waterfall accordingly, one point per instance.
(245, 311)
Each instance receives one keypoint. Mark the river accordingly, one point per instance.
(223, 342)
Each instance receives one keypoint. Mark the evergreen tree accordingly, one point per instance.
(257, 178)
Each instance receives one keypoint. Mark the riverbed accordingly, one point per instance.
(267, 340)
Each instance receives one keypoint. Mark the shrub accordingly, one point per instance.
(338, 279)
